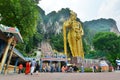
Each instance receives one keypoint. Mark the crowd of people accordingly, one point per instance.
(71, 68)
(34, 67)
(30, 67)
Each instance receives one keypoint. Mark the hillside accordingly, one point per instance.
(51, 26)
(99, 25)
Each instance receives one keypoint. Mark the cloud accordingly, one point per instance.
(53, 5)
(85, 9)
(110, 9)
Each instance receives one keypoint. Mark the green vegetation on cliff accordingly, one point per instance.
(52, 24)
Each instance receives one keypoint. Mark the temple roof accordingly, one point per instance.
(11, 31)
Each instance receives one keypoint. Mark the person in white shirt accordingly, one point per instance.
(33, 65)
(118, 64)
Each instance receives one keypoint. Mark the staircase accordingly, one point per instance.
(46, 48)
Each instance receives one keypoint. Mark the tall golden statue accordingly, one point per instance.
(74, 36)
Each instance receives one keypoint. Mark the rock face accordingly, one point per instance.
(52, 23)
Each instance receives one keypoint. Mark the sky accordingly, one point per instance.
(86, 9)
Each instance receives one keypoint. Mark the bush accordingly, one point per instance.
(88, 70)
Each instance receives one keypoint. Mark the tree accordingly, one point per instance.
(95, 54)
(109, 43)
(37, 38)
(22, 14)
(57, 42)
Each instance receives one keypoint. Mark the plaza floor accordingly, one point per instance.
(63, 76)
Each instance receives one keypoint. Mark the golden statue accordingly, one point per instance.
(74, 36)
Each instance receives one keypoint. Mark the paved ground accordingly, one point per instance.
(63, 76)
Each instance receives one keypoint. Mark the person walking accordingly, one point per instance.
(37, 69)
(20, 68)
(82, 69)
(94, 68)
(118, 63)
(27, 70)
(33, 65)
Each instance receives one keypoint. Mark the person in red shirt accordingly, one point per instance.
(20, 68)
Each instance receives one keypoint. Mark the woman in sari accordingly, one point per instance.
(27, 70)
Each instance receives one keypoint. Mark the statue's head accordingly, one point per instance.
(73, 14)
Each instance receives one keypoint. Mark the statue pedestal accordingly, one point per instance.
(76, 60)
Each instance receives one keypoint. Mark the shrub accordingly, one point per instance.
(88, 70)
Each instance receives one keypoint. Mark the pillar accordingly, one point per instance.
(16, 65)
(59, 69)
(10, 56)
(5, 53)
(41, 62)
(51, 66)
